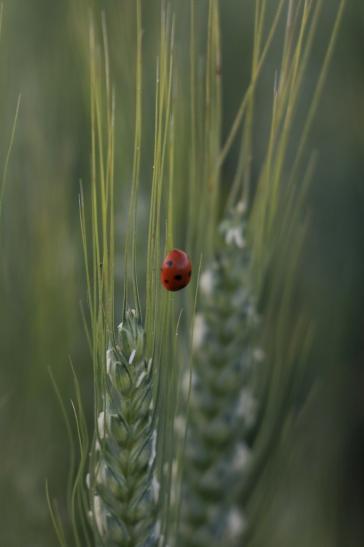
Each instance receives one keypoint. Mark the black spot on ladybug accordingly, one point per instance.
(189, 274)
(166, 281)
(169, 263)
(178, 277)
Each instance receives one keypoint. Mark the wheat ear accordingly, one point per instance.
(223, 403)
(122, 486)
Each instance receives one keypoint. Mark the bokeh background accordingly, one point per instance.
(319, 498)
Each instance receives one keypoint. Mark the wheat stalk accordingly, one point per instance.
(229, 431)
(122, 480)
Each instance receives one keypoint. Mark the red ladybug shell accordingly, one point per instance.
(176, 270)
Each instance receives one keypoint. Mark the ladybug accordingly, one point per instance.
(176, 270)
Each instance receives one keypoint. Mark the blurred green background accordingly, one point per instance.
(43, 56)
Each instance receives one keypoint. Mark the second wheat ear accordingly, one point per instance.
(223, 402)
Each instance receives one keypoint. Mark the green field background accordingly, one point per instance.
(43, 57)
